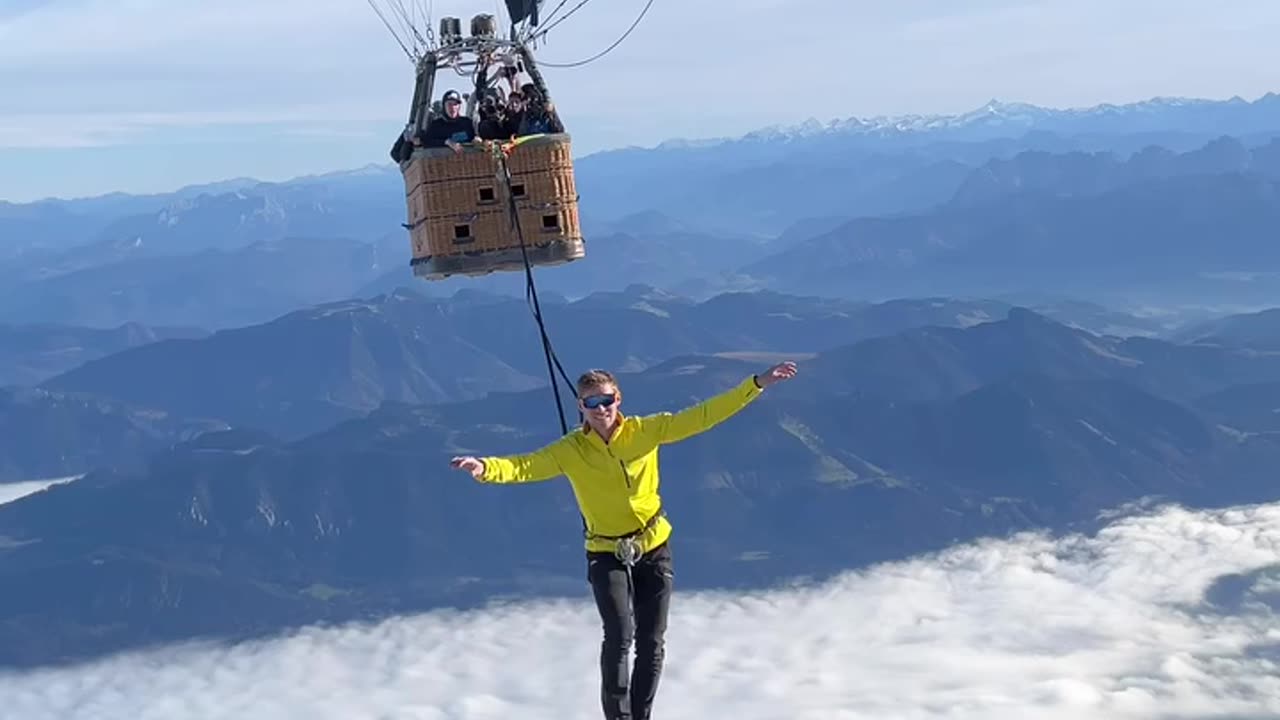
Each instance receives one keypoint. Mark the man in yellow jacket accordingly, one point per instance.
(612, 465)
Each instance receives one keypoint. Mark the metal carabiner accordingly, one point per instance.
(627, 550)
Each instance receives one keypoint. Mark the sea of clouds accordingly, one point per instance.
(13, 491)
(1167, 614)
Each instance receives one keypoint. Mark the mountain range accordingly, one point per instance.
(53, 434)
(1258, 330)
(994, 129)
(1014, 319)
(1000, 119)
(883, 447)
(1174, 239)
(310, 369)
(726, 209)
(1082, 173)
(1071, 224)
(32, 353)
(881, 165)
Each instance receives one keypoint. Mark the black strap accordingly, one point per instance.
(531, 295)
(644, 528)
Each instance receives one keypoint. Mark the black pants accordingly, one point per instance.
(632, 610)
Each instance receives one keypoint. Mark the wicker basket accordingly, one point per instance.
(459, 213)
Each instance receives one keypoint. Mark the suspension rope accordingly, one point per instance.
(607, 50)
(546, 27)
(531, 295)
(551, 15)
(392, 30)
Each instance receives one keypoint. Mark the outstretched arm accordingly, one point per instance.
(673, 427)
(541, 464)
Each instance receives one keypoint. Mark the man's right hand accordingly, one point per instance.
(473, 465)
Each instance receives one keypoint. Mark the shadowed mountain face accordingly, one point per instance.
(1258, 330)
(51, 434)
(1195, 232)
(206, 288)
(1079, 173)
(878, 449)
(929, 363)
(30, 354)
(1250, 409)
(225, 214)
(656, 252)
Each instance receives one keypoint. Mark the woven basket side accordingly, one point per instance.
(413, 175)
(429, 165)
(552, 186)
(540, 152)
(549, 207)
(539, 158)
(482, 232)
(457, 207)
(420, 241)
(461, 198)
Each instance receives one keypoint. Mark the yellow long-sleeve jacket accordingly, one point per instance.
(616, 483)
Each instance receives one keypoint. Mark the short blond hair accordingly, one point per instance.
(594, 378)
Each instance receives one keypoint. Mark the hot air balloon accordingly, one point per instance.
(500, 196)
(504, 200)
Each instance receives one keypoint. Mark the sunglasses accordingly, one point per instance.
(595, 401)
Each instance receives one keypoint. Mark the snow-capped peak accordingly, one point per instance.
(994, 114)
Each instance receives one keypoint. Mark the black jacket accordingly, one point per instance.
(459, 129)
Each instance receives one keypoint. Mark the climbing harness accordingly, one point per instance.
(628, 551)
(627, 547)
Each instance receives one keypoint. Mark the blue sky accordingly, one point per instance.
(148, 95)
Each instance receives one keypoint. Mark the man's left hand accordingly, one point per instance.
(777, 373)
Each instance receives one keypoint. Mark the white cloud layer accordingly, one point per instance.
(1078, 628)
(13, 491)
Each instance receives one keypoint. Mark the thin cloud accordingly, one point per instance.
(690, 70)
(99, 27)
(15, 8)
(1109, 627)
(79, 57)
(186, 127)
